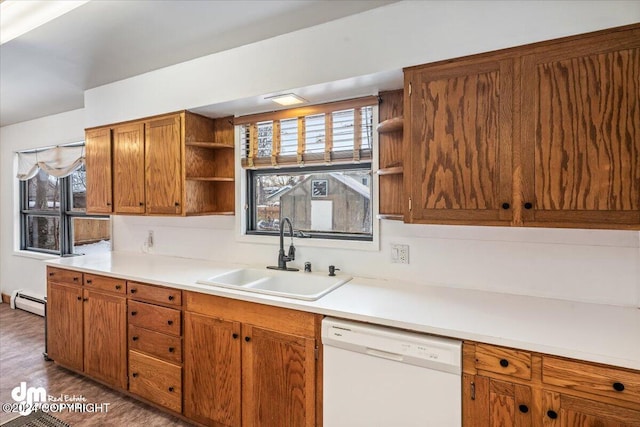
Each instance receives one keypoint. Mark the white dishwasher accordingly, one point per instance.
(376, 376)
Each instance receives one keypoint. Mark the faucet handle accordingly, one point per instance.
(332, 270)
(292, 253)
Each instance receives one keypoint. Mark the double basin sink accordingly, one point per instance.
(297, 285)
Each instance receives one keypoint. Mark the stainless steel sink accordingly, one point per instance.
(303, 286)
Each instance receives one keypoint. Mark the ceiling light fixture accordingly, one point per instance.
(286, 99)
(20, 17)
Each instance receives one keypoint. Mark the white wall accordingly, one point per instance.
(19, 270)
(601, 266)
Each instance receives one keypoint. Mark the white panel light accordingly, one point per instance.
(287, 99)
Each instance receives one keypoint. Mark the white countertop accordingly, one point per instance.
(593, 332)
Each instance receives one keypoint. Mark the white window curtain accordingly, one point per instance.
(56, 161)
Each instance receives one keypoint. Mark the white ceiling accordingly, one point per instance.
(47, 70)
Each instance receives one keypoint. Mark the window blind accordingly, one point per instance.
(340, 132)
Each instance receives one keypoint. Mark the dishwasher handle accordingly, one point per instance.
(384, 354)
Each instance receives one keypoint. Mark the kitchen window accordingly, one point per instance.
(312, 165)
(53, 215)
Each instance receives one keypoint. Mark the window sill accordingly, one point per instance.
(312, 242)
(35, 255)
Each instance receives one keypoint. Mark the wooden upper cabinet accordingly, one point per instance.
(163, 165)
(459, 139)
(98, 167)
(581, 132)
(128, 168)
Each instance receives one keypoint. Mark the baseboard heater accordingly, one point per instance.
(28, 301)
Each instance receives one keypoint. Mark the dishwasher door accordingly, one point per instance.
(382, 377)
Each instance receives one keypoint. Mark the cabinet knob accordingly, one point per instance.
(134, 375)
(133, 291)
(89, 281)
(504, 363)
(171, 349)
(247, 339)
(177, 204)
(171, 389)
(170, 297)
(51, 274)
(118, 287)
(235, 336)
(134, 338)
(108, 203)
(141, 203)
(169, 322)
(506, 206)
(133, 313)
(552, 414)
(75, 279)
(85, 299)
(523, 408)
(618, 386)
(528, 205)
(79, 298)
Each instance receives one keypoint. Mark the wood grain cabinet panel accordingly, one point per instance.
(155, 380)
(156, 318)
(155, 294)
(64, 324)
(581, 138)
(505, 361)
(163, 165)
(99, 184)
(163, 346)
(561, 410)
(128, 168)
(92, 281)
(105, 331)
(459, 137)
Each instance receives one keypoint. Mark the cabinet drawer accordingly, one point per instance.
(61, 275)
(154, 293)
(92, 281)
(164, 346)
(506, 361)
(581, 376)
(155, 380)
(156, 318)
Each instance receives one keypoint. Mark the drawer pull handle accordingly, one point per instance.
(247, 339)
(504, 363)
(170, 297)
(51, 274)
(506, 206)
(523, 408)
(118, 287)
(171, 389)
(134, 375)
(133, 313)
(235, 336)
(75, 279)
(618, 386)
(552, 414)
(169, 322)
(133, 291)
(528, 205)
(134, 338)
(171, 349)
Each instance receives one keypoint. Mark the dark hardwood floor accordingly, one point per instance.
(21, 348)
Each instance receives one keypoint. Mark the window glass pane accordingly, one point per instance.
(366, 115)
(314, 133)
(43, 192)
(265, 138)
(337, 201)
(288, 137)
(79, 190)
(343, 130)
(91, 235)
(43, 232)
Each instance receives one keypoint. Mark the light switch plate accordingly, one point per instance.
(399, 253)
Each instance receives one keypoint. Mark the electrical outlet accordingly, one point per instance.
(150, 239)
(399, 253)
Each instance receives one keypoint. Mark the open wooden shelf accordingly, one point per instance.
(210, 178)
(390, 125)
(396, 170)
(205, 144)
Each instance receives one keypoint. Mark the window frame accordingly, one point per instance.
(251, 214)
(64, 213)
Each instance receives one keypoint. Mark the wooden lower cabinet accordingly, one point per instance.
(557, 393)
(250, 364)
(86, 329)
(156, 380)
(105, 331)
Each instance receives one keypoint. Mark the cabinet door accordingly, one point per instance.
(580, 136)
(212, 376)
(459, 138)
(98, 171)
(128, 168)
(105, 338)
(64, 325)
(560, 410)
(163, 163)
(489, 402)
(278, 379)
